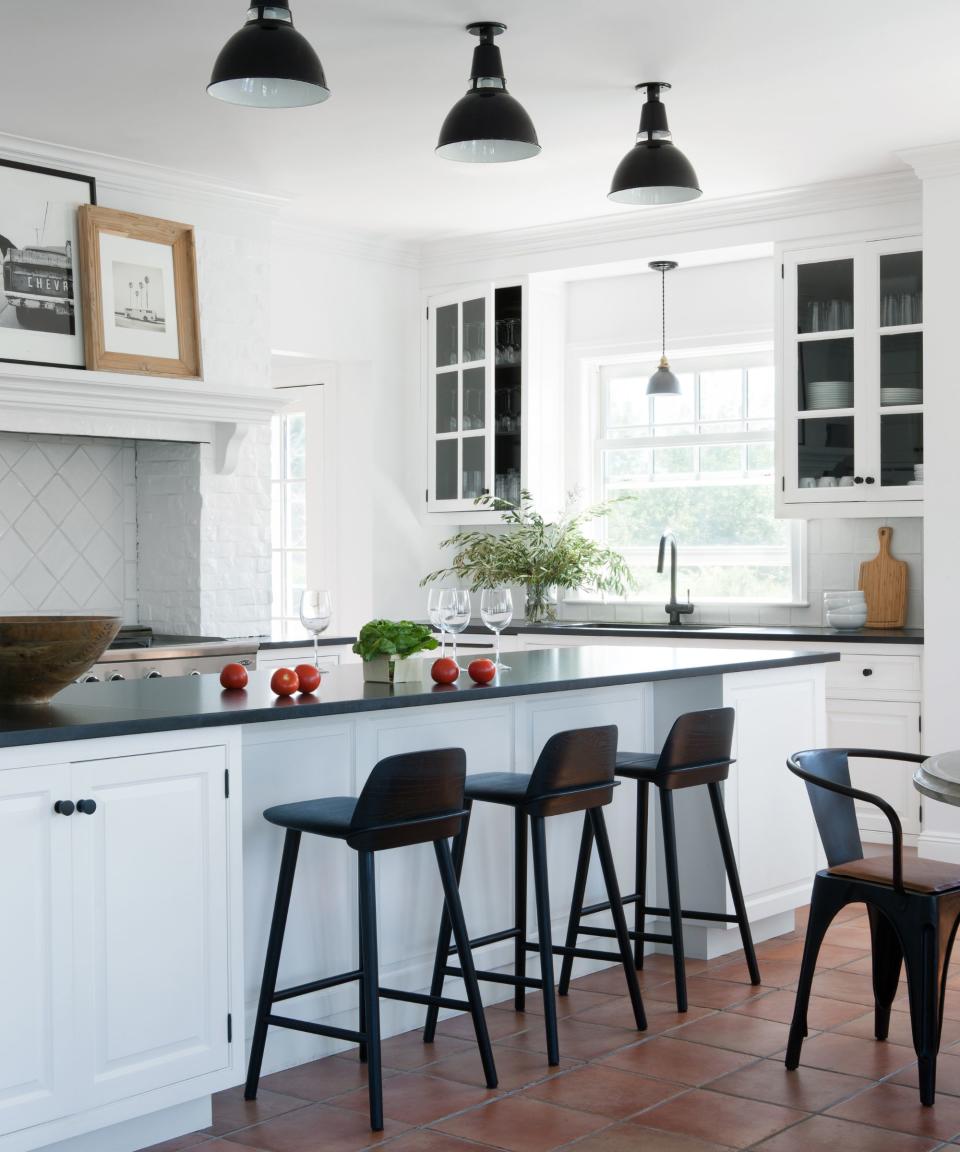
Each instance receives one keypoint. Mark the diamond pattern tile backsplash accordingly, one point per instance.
(68, 525)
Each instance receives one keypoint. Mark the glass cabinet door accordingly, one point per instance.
(901, 372)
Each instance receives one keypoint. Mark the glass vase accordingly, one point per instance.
(540, 603)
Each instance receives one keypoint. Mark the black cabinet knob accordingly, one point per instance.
(871, 480)
(858, 479)
(64, 807)
(87, 807)
(868, 671)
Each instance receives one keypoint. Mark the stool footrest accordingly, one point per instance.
(685, 914)
(318, 1029)
(490, 938)
(586, 953)
(425, 999)
(499, 978)
(316, 986)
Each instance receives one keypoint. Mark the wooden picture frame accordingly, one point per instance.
(124, 256)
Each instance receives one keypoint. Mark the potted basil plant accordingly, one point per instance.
(385, 647)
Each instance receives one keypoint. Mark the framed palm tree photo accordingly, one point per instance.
(140, 306)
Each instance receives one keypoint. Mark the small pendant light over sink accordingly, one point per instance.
(663, 382)
(654, 171)
(487, 126)
(268, 64)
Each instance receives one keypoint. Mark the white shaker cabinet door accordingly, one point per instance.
(889, 724)
(35, 947)
(150, 901)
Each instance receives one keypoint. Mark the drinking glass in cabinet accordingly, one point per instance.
(447, 336)
(825, 374)
(825, 296)
(474, 329)
(901, 369)
(901, 449)
(474, 451)
(824, 450)
(508, 342)
(901, 289)
(474, 399)
(446, 401)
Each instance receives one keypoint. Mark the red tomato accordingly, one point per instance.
(445, 670)
(482, 671)
(284, 682)
(234, 676)
(309, 677)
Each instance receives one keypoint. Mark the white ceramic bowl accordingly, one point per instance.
(847, 600)
(846, 621)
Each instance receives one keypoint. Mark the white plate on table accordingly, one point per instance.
(945, 766)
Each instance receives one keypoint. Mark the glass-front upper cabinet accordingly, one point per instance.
(475, 381)
(851, 379)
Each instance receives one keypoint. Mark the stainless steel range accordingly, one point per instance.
(141, 654)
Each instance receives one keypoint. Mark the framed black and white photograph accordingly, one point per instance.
(40, 302)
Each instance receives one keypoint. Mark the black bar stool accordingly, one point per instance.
(574, 773)
(696, 752)
(416, 798)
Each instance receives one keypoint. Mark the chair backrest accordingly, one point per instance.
(575, 770)
(697, 749)
(412, 798)
(833, 811)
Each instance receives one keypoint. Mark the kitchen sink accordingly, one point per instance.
(657, 627)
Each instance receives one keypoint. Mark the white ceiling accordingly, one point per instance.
(767, 94)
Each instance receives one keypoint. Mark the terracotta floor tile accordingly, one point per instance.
(677, 1060)
(631, 1137)
(516, 1068)
(519, 1124)
(316, 1128)
(231, 1111)
(864, 965)
(768, 1080)
(951, 1005)
(850, 986)
(854, 1055)
(741, 1033)
(729, 1119)
(661, 1014)
(423, 1140)
(829, 956)
(576, 1000)
(900, 1029)
(320, 1079)
(948, 1074)
(822, 1013)
(898, 1107)
(498, 1024)
(607, 1091)
(417, 1099)
(408, 1051)
(578, 1041)
(773, 973)
(855, 934)
(705, 992)
(180, 1143)
(824, 1134)
(227, 1145)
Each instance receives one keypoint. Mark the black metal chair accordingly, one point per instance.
(913, 906)
(574, 773)
(416, 798)
(696, 752)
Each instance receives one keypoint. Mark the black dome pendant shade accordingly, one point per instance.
(663, 382)
(654, 171)
(487, 126)
(268, 64)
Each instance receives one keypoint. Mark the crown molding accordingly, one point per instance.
(142, 179)
(643, 224)
(933, 160)
(294, 232)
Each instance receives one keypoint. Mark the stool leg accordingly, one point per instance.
(371, 987)
(542, 885)
(268, 986)
(640, 903)
(363, 1008)
(673, 895)
(733, 878)
(616, 907)
(451, 893)
(576, 906)
(443, 939)
(520, 907)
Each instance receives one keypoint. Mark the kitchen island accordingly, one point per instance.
(135, 924)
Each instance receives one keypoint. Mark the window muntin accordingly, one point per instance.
(288, 520)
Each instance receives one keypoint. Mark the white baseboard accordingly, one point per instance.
(930, 846)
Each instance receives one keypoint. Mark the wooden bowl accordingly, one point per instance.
(40, 655)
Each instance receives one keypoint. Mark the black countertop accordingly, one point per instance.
(88, 711)
(269, 643)
(763, 632)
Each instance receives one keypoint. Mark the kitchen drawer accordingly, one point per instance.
(867, 672)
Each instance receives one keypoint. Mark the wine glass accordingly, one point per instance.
(433, 612)
(316, 608)
(496, 611)
(455, 613)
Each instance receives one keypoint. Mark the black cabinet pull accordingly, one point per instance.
(87, 807)
(871, 480)
(64, 807)
(868, 671)
(858, 479)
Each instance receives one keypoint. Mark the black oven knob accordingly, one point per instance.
(154, 675)
(116, 676)
(194, 673)
(91, 679)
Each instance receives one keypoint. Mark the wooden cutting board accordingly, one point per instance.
(883, 581)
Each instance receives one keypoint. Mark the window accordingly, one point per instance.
(700, 464)
(289, 519)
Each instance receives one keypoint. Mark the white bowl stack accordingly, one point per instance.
(845, 611)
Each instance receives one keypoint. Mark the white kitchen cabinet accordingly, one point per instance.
(36, 1012)
(850, 379)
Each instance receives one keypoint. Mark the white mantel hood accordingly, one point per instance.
(72, 401)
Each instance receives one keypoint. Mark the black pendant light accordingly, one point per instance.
(654, 171)
(487, 126)
(268, 64)
(663, 382)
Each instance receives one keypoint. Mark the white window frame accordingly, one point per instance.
(284, 624)
(686, 362)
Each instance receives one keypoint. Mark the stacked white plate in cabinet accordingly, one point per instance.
(891, 395)
(829, 394)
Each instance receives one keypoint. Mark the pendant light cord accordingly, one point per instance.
(663, 313)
